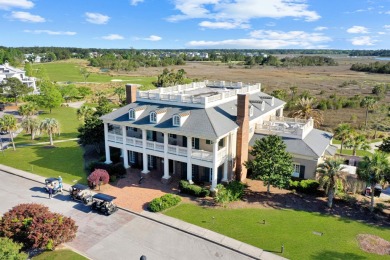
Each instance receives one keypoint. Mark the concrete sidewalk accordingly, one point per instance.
(224, 241)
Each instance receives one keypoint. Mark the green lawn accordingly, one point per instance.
(358, 152)
(64, 254)
(293, 229)
(70, 72)
(65, 159)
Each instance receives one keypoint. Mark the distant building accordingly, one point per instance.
(7, 71)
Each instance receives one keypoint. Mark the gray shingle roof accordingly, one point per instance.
(313, 145)
(209, 123)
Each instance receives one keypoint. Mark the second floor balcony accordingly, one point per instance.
(287, 127)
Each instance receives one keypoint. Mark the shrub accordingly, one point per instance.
(97, 176)
(35, 227)
(11, 250)
(192, 189)
(380, 207)
(232, 192)
(305, 186)
(117, 170)
(164, 202)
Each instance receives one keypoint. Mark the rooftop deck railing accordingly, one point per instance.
(283, 126)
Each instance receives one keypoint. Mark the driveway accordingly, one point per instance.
(122, 235)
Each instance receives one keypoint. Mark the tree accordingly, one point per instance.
(357, 141)
(330, 171)
(50, 126)
(343, 133)
(368, 103)
(305, 110)
(27, 110)
(84, 72)
(15, 88)
(69, 92)
(272, 163)
(92, 132)
(84, 91)
(85, 111)
(10, 250)
(35, 226)
(385, 145)
(10, 125)
(98, 177)
(31, 126)
(293, 91)
(50, 96)
(374, 169)
(120, 92)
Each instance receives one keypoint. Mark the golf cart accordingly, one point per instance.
(79, 192)
(103, 203)
(55, 184)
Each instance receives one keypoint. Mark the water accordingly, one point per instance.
(383, 58)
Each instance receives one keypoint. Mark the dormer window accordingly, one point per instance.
(153, 117)
(251, 110)
(132, 114)
(176, 120)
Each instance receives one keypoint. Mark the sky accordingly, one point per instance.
(196, 24)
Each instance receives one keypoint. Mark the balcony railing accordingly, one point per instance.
(172, 149)
(288, 127)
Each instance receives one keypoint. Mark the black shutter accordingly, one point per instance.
(302, 172)
(184, 141)
(197, 143)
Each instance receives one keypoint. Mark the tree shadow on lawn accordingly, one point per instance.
(62, 160)
(330, 255)
(311, 203)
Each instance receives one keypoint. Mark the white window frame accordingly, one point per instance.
(296, 166)
(132, 156)
(176, 120)
(153, 117)
(132, 114)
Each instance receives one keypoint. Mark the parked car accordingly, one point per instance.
(55, 183)
(103, 203)
(81, 193)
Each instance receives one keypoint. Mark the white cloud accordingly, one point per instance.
(8, 4)
(135, 2)
(357, 29)
(363, 41)
(153, 38)
(113, 37)
(386, 27)
(222, 25)
(263, 39)
(241, 11)
(320, 28)
(26, 17)
(50, 32)
(97, 18)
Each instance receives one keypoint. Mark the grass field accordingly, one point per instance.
(294, 229)
(358, 152)
(70, 72)
(63, 254)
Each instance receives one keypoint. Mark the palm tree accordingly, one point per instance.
(330, 171)
(50, 126)
(84, 111)
(293, 91)
(357, 141)
(373, 170)
(31, 126)
(343, 132)
(368, 103)
(9, 124)
(305, 110)
(28, 109)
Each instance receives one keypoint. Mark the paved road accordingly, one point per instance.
(119, 236)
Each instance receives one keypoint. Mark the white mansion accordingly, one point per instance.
(7, 71)
(202, 131)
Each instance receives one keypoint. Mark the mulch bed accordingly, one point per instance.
(374, 244)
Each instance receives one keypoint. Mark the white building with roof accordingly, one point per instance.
(202, 131)
(7, 71)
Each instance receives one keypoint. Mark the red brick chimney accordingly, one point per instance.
(131, 93)
(242, 135)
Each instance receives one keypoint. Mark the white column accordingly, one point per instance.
(215, 165)
(166, 160)
(189, 163)
(225, 171)
(144, 155)
(107, 147)
(124, 150)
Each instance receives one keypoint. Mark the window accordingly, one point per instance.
(153, 117)
(251, 110)
(132, 156)
(176, 120)
(131, 114)
(297, 169)
(172, 136)
(210, 174)
(208, 142)
(195, 143)
(221, 143)
(151, 159)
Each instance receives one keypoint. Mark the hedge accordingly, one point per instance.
(305, 186)
(164, 202)
(192, 189)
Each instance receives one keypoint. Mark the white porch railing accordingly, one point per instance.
(177, 150)
(288, 127)
(155, 146)
(202, 155)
